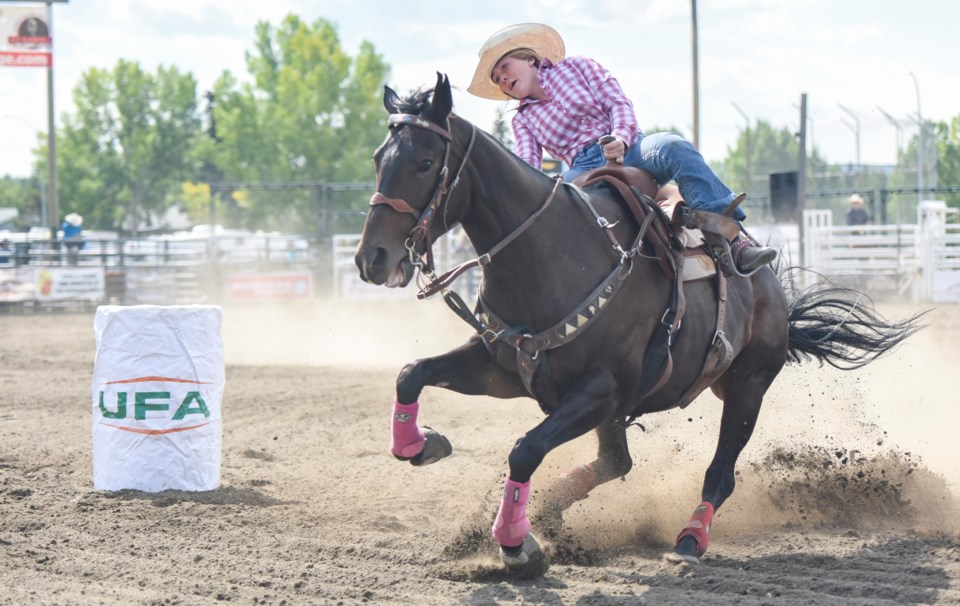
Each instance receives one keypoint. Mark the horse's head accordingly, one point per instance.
(413, 179)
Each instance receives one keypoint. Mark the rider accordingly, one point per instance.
(567, 105)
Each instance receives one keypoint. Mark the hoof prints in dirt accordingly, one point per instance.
(226, 495)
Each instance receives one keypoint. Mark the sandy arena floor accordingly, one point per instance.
(849, 492)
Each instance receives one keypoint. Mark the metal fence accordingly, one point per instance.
(175, 269)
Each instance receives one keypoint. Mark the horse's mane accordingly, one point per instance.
(415, 102)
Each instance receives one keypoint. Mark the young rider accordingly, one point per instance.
(568, 104)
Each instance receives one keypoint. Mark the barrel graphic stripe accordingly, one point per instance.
(149, 379)
(155, 432)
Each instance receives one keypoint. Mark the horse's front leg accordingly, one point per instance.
(589, 404)
(467, 369)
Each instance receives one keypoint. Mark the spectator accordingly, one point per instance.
(73, 235)
(5, 251)
(856, 215)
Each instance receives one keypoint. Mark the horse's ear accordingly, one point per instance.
(390, 100)
(442, 97)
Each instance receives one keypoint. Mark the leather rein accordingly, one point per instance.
(425, 218)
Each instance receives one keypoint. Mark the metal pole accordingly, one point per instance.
(896, 125)
(920, 141)
(696, 77)
(746, 137)
(802, 173)
(856, 131)
(53, 199)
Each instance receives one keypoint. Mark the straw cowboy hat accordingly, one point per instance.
(855, 199)
(542, 39)
(74, 219)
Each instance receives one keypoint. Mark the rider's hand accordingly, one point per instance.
(613, 148)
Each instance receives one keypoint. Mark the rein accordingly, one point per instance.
(424, 219)
(446, 279)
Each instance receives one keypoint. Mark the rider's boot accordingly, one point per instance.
(745, 256)
(749, 257)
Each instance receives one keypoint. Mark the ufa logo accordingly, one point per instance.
(181, 397)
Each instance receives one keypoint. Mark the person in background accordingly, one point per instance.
(575, 109)
(5, 251)
(856, 214)
(73, 235)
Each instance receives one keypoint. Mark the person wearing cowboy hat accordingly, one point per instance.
(72, 227)
(574, 108)
(856, 215)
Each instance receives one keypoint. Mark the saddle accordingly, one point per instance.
(644, 197)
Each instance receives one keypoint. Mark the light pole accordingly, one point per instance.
(696, 73)
(746, 137)
(896, 125)
(920, 142)
(856, 130)
(812, 147)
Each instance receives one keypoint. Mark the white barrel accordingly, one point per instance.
(158, 383)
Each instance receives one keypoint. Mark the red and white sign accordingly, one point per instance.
(265, 287)
(25, 36)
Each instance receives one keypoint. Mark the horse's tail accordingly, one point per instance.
(840, 326)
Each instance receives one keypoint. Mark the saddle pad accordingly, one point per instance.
(697, 266)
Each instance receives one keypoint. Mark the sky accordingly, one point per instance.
(854, 59)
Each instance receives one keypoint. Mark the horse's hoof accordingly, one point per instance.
(436, 447)
(681, 558)
(527, 559)
(684, 552)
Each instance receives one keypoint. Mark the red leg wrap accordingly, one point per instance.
(699, 527)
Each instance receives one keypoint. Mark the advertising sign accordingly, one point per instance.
(62, 284)
(25, 37)
(266, 287)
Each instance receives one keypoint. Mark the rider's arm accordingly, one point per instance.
(611, 97)
(525, 144)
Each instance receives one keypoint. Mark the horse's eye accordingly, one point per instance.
(425, 165)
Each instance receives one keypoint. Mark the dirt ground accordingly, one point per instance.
(849, 492)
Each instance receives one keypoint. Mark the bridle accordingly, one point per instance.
(424, 218)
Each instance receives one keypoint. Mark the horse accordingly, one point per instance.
(569, 315)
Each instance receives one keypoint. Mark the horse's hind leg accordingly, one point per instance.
(613, 461)
(741, 407)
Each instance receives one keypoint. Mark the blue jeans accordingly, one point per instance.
(668, 157)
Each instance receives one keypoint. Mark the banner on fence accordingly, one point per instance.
(269, 287)
(16, 284)
(52, 284)
(69, 284)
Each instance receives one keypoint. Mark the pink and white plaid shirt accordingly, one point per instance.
(584, 102)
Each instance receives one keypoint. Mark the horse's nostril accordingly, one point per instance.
(370, 264)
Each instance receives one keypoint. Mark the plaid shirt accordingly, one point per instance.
(584, 102)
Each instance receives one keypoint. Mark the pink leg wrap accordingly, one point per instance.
(699, 527)
(512, 524)
(407, 440)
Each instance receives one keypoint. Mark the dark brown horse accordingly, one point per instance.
(569, 317)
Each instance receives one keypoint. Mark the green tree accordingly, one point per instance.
(502, 130)
(948, 158)
(23, 195)
(312, 113)
(759, 151)
(128, 146)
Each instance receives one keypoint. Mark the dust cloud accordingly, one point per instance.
(868, 448)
